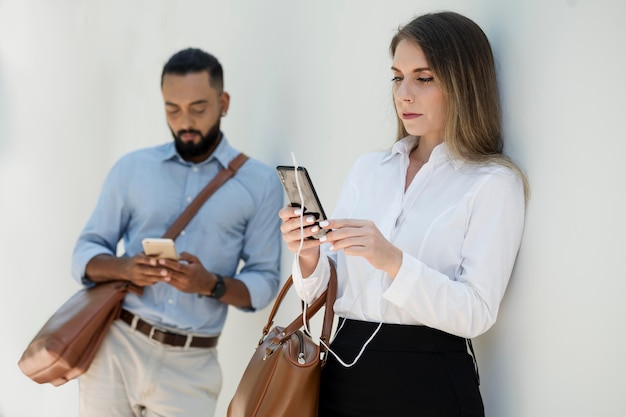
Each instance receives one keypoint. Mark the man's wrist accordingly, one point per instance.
(218, 289)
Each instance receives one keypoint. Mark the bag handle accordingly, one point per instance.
(327, 298)
(206, 192)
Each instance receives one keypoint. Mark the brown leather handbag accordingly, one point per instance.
(65, 346)
(283, 377)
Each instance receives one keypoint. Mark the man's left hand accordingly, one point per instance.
(188, 276)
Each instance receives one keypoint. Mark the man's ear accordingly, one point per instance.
(224, 102)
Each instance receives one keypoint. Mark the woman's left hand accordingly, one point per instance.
(362, 238)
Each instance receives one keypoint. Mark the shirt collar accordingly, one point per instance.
(402, 147)
(439, 154)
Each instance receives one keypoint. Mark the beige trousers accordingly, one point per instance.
(132, 376)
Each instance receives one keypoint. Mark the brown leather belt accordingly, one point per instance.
(167, 338)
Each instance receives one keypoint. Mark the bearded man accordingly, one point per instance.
(160, 358)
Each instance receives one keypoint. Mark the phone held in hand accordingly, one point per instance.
(310, 202)
(160, 247)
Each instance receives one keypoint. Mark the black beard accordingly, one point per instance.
(189, 150)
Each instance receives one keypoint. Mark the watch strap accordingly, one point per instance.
(220, 287)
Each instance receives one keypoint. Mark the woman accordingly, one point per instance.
(424, 236)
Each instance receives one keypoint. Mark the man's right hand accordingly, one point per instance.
(141, 270)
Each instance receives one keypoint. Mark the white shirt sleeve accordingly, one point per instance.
(311, 287)
(468, 304)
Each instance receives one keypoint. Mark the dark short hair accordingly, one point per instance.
(192, 60)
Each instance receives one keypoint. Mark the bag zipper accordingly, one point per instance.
(301, 355)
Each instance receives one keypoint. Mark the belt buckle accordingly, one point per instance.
(153, 329)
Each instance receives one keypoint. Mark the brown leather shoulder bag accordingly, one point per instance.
(67, 343)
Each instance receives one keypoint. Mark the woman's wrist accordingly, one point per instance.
(308, 264)
(395, 264)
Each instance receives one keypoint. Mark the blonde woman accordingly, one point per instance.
(424, 236)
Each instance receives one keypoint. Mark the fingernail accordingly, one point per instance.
(324, 223)
(315, 229)
(323, 238)
(297, 212)
(310, 219)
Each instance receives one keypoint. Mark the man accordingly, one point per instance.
(135, 372)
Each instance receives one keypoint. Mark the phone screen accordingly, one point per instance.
(309, 201)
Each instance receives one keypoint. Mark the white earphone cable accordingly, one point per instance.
(304, 317)
(295, 171)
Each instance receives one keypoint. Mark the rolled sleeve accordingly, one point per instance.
(262, 248)
(101, 234)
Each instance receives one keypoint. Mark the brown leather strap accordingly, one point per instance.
(327, 298)
(206, 192)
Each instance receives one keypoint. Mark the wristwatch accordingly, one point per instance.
(219, 289)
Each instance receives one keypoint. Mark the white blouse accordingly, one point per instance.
(459, 227)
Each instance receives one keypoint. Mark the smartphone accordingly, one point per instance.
(159, 247)
(311, 202)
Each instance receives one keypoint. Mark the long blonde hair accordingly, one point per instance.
(459, 54)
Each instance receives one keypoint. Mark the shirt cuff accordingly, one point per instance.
(262, 288)
(403, 285)
(310, 288)
(80, 261)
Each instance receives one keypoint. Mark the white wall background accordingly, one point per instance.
(79, 87)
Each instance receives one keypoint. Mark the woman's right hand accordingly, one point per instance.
(292, 235)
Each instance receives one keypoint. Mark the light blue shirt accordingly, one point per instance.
(146, 190)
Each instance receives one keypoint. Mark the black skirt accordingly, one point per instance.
(404, 371)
